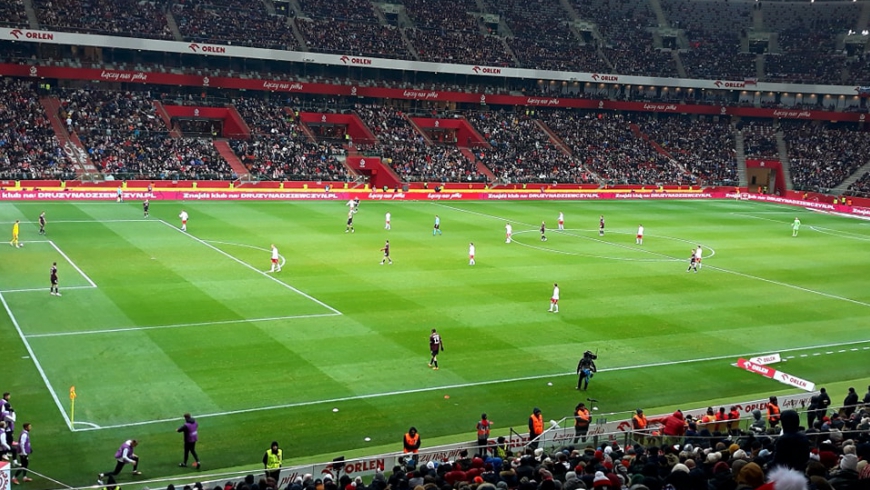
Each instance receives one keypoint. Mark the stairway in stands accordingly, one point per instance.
(223, 148)
(72, 147)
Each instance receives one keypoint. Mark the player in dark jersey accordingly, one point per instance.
(435, 346)
(54, 290)
(601, 225)
(42, 223)
(543, 231)
(693, 262)
(386, 251)
(145, 206)
(349, 228)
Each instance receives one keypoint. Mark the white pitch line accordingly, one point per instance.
(143, 220)
(283, 260)
(249, 266)
(179, 325)
(707, 266)
(36, 362)
(31, 290)
(73, 264)
(465, 385)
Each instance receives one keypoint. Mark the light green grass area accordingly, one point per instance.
(193, 322)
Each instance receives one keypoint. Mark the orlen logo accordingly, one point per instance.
(355, 61)
(486, 69)
(605, 78)
(18, 34)
(205, 48)
(720, 84)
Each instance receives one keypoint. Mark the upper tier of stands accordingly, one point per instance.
(712, 41)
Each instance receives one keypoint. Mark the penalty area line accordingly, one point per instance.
(470, 385)
(180, 325)
(249, 266)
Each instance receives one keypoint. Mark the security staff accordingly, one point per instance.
(272, 461)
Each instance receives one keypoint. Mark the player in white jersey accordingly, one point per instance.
(183, 218)
(554, 300)
(639, 239)
(561, 221)
(471, 253)
(699, 252)
(387, 221)
(508, 231)
(276, 260)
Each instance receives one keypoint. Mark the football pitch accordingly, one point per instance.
(155, 322)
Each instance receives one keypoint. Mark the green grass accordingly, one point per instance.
(189, 323)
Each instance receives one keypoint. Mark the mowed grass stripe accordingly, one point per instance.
(493, 318)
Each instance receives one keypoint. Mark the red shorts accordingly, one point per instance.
(274, 261)
(184, 222)
(561, 222)
(554, 300)
(471, 256)
(640, 236)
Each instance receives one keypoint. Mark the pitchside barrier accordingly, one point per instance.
(559, 434)
(92, 194)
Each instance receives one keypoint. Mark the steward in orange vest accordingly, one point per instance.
(411, 441)
(582, 419)
(773, 412)
(536, 427)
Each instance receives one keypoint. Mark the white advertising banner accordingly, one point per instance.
(201, 49)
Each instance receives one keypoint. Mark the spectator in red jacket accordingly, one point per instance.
(675, 426)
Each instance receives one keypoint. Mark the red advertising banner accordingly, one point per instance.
(769, 372)
(411, 94)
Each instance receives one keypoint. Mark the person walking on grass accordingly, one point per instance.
(190, 431)
(795, 227)
(123, 456)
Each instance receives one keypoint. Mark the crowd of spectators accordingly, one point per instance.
(124, 137)
(459, 47)
(821, 156)
(807, 56)
(28, 146)
(860, 187)
(759, 140)
(522, 152)
(12, 13)
(235, 22)
(564, 55)
(353, 38)
(432, 14)
(715, 56)
(705, 148)
(605, 144)
(348, 10)
(408, 152)
(279, 149)
(830, 452)
(129, 18)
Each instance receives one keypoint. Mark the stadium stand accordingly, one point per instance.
(704, 148)
(860, 187)
(606, 145)
(237, 22)
(410, 155)
(280, 150)
(28, 146)
(522, 152)
(759, 140)
(354, 38)
(12, 13)
(112, 17)
(459, 47)
(124, 137)
(821, 156)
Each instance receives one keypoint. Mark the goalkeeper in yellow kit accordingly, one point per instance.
(14, 241)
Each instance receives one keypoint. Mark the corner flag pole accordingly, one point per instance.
(72, 400)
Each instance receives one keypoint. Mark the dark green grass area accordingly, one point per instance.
(192, 322)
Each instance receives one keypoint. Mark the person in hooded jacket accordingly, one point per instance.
(675, 425)
(850, 403)
(792, 448)
(758, 426)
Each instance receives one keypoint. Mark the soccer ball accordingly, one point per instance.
(20, 245)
